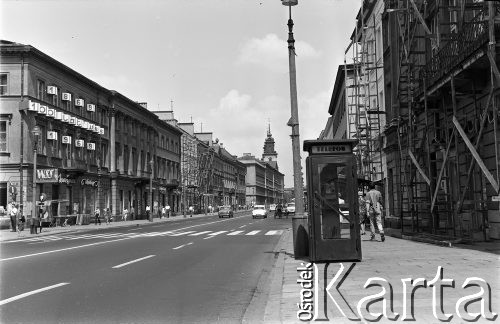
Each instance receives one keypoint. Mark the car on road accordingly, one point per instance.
(226, 211)
(259, 211)
(290, 209)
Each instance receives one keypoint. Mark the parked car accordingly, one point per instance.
(226, 211)
(259, 211)
(290, 209)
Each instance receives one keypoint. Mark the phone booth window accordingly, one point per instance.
(334, 207)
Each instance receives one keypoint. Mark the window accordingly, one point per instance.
(3, 136)
(56, 98)
(67, 148)
(42, 140)
(55, 145)
(3, 84)
(69, 103)
(40, 90)
(453, 15)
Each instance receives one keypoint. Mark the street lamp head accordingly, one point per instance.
(36, 130)
(289, 3)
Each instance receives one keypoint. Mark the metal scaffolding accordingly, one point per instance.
(446, 115)
(362, 94)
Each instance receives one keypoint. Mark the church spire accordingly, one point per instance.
(269, 155)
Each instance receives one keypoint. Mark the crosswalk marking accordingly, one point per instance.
(235, 233)
(208, 234)
(278, 232)
(200, 233)
(182, 233)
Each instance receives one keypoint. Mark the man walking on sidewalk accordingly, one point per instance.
(374, 208)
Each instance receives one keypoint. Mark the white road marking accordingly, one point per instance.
(235, 233)
(253, 232)
(214, 234)
(11, 299)
(278, 232)
(181, 246)
(242, 226)
(65, 249)
(110, 241)
(133, 261)
(200, 233)
(182, 233)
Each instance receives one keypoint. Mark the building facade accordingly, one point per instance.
(264, 182)
(95, 148)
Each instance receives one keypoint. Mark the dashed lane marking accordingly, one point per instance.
(133, 261)
(181, 246)
(33, 292)
(253, 232)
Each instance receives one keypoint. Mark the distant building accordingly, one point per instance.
(264, 182)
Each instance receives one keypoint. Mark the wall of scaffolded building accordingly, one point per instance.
(442, 98)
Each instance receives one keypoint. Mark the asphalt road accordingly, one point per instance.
(203, 270)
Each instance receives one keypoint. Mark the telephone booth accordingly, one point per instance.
(333, 201)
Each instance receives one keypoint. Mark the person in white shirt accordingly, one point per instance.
(148, 213)
(374, 209)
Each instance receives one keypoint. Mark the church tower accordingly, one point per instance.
(270, 156)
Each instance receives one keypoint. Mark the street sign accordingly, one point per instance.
(495, 198)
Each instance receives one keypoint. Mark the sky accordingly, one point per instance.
(221, 63)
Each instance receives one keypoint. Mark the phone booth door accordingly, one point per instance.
(333, 208)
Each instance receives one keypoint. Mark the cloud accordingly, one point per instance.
(271, 52)
(241, 123)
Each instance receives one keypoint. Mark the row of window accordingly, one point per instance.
(69, 102)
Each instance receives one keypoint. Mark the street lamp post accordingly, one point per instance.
(151, 192)
(36, 132)
(298, 218)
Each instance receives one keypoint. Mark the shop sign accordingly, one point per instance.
(89, 182)
(65, 180)
(47, 175)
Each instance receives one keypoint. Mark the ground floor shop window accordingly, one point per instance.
(3, 194)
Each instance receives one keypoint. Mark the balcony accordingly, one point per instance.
(172, 183)
(75, 165)
(461, 47)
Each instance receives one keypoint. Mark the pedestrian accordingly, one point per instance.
(97, 214)
(20, 225)
(279, 208)
(163, 212)
(132, 213)
(13, 216)
(125, 214)
(148, 212)
(191, 211)
(107, 216)
(374, 208)
(43, 217)
(167, 210)
(363, 216)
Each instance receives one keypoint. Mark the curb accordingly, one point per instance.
(272, 311)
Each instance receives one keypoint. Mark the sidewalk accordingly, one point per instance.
(7, 234)
(393, 260)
